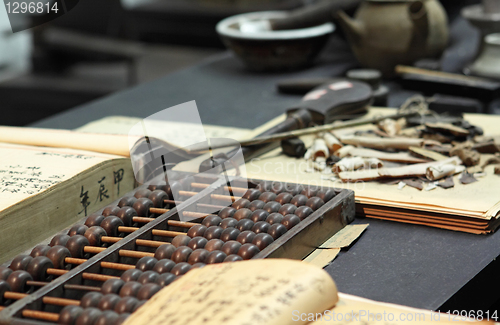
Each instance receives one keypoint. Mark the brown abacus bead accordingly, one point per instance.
(110, 211)
(146, 263)
(180, 269)
(326, 195)
(240, 204)
(110, 225)
(214, 244)
(163, 266)
(252, 194)
(143, 206)
(229, 234)
(4, 273)
(310, 191)
(294, 189)
(259, 215)
(126, 214)
(272, 207)
(181, 240)
(242, 213)
(262, 240)
(125, 305)
(247, 251)
(69, 315)
(91, 299)
(264, 186)
(227, 212)
(267, 197)
(287, 209)
(4, 287)
(200, 242)
(197, 266)
(274, 218)
(130, 289)
(299, 200)
(256, 205)
(76, 245)
(158, 198)
(77, 230)
(181, 254)
(231, 247)
(154, 187)
(284, 198)
(211, 221)
(245, 237)
(113, 285)
(228, 223)
(277, 187)
(94, 235)
(123, 317)
(88, 316)
(261, 226)
(164, 251)
(215, 257)
(148, 290)
(20, 262)
(57, 255)
(126, 201)
(196, 231)
(38, 266)
(233, 258)
(165, 279)
(130, 275)
(173, 188)
(93, 220)
(108, 301)
(40, 250)
(198, 256)
(244, 224)
(213, 232)
(315, 203)
(107, 317)
(60, 239)
(290, 221)
(277, 230)
(142, 193)
(303, 212)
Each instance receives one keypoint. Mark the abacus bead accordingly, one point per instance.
(240, 204)
(107, 317)
(142, 207)
(287, 209)
(242, 213)
(77, 230)
(247, 251)
(214, 244)
(290, 221)
(196, 231)
(37, 268)
(180, 269)
(94, 235)
(233, 258)
(173, 189)
(272, 207)
(294, 189)
(94, 220)
(262, 240)
(123, 317)
(284, 198)
(309, 192)
(215, 257)
(326, 195)
(303, 212)
(148, 277)
(261, 226)
(277, 230)
(127, 201)
(113, 285)
(125, 305)
(265, 186)
(228, 223)
(69, 314)
(181, 254)
(147, 291)
(198, 256)
(17, 281)
(20, 262)
(146, 263)
(252, 194)
(299, 200)
(130, 289)
(110, 225)
(277, 188)
(274, 218)
(244, 224)
(40, 250)
(139, 304)
(229, 234)
(200, 242)
(255, 205)
(158, 198)
(197, 266)
(76, 245)
(108, 301)
(227, 212)
(164, 266)
(126, 214)
(91, 299)
(164, 251)
(213, 232)
(245, 237)
(231, 247)
(181, 240)
(211, 221)
(315, 203)
(142, 193)
(88, 316)
(267, 197)
(259, 215)
(110, 211)
(4, 273)
(130, 275)
(165, 279)
(60, 239)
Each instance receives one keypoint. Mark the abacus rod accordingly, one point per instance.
(240, 190)
(213, 196)
(85, 275)
(43, 315)
(201, 205)
(121, 252)
(66, 286)
(106, 265)
(46, 300)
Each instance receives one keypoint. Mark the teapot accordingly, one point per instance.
(385, 33)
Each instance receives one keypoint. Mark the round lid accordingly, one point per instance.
(370, 76)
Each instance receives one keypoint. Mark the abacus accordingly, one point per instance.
(103, 269)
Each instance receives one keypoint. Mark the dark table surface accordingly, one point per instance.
(407, 264)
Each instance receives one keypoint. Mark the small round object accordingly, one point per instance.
(252, 194)
(242, 213)
(287, 209)
(247, 251)
(60, 239)
(315, 203)
(277, 187)
(214, 244)
(267, 197)
(146, 263)
(130, 275)
(110, 211)
(88, 316)
(310, 191)
(130, 289)
(158, 198)
(173, 188)
(20, 262)
(4, 273)
(259, 215)
(148, 290)
(123, 317)
(277, 230)
(244, 224)
(181, 240)
(200, 242)
(94, 235)
(126, 213)
(163, 266)
(303, 212)
(256, 205)
(140, 303)
(108, 301)
(231, 247)
(181, 254)
(113, 285)
(274, 218)
(229, 234)
(198, 256)
(57, 255)
(240, 204)
(326, 195)
(216, 257)
(164, 251)
(245, 237)
(143, 206)
(153, 187)
(110, 225)
(299, 200)
(197, 266)
(142, 193)
(38, 266)
(227, 212)
(284, 198)
(233, 258)
(181, 268)
(262, 240)
(261, 226)
(290, 221)
(211, 221)
(213, 232)
(294, 189)
(107, 317)
(265, 186)
(93, 220)
(76, 245)
(165, 279)
(69, 314)
(125, 305)
(91, 299)
(4, 287)
(196, 231)
(127, 201)
(40, 250)
(228, 223)
(77, 230)
(272, 207)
